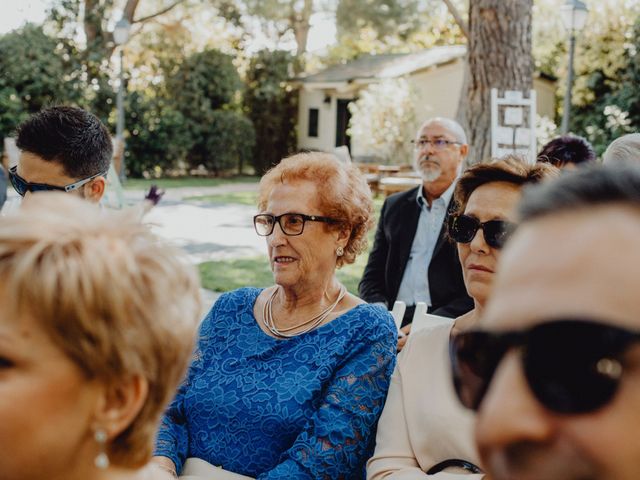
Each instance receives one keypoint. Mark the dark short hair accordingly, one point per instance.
(510, 169)
(567, 149)
(593, 186)
(70, 136)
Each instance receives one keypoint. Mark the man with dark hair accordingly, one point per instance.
(412, 260)
(554, 371)
(567, 151)
(62, 148)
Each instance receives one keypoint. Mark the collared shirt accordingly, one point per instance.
(414, 287)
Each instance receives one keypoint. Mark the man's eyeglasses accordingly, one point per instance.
(290, 223)
(22, 186)
(463, 229)
(571, 366)
(438, 143)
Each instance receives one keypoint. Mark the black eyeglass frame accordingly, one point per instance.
(277, 219)
(494, 238)
(560, 383)
(18, 183)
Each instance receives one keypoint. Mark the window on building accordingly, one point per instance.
(313, 122)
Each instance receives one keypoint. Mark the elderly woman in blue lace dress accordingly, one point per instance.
(289, 381)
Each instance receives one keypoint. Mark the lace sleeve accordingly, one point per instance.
(338, 438)
(173, 435)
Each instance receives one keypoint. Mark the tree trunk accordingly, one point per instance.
(300, 23)
(499, 56)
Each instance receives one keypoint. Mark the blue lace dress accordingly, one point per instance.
(301, 408)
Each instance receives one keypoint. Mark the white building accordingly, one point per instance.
(435, 75)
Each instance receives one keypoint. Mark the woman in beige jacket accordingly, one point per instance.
(424, 432)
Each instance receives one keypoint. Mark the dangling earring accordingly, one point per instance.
(339, 251)
(102, 459)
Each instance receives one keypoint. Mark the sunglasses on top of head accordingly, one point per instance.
(463, 229)
(21, 186)
(571, 366)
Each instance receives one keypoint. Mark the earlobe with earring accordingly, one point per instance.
(339, 251)
(102, 459)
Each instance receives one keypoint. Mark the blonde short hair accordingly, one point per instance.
(342, 193)
(116, 300)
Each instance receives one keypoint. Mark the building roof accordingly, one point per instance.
(387, 65)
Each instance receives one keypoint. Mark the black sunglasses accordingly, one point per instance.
(571, 366)
(21, 186)
(291, 223)
(463, 228)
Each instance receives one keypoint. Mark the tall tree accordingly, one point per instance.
(498, 56)
(285, 16)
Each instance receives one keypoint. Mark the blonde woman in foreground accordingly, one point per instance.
(97, 326)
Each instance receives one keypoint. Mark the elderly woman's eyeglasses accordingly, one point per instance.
(438, 143)
(291, 223)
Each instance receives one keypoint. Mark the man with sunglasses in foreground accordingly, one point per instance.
(62, 148)
(554, 373)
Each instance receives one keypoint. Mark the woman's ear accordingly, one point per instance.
(120, 404)
(343, 235)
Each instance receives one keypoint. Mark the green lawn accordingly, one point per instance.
(225, 275)
(144, 183)
(242, 198)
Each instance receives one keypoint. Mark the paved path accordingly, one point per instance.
(205, 231)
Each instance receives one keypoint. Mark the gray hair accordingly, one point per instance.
(589, 187)
(623, 149)
(454, 127)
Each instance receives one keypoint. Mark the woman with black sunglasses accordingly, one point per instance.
(423, 430)
(288, 381)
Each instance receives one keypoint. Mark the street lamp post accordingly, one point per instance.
(120, 37)
(574, 15)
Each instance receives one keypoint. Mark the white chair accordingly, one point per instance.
(398, 312)
(422, 319)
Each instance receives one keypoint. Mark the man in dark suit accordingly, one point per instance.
(412, 260)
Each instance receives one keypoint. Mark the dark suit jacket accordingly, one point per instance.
(388, 258)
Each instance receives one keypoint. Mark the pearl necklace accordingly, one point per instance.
(269, 320)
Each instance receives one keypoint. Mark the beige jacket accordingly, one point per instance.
(423, 423)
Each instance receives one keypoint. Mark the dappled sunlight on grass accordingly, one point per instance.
(143, 183)
(241, 198)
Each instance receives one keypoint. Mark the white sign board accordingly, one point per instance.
(513, 124)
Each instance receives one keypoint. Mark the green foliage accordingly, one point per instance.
(385, 17)
(227, 142)
(204, 90)
(272, 107)
(392, 26)
(158, 138)
(205, 81)
(35, 73)
(607, 94)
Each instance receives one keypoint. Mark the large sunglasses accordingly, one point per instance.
(571, 366)
(463, 229)
(291, 223)
(21, 186)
